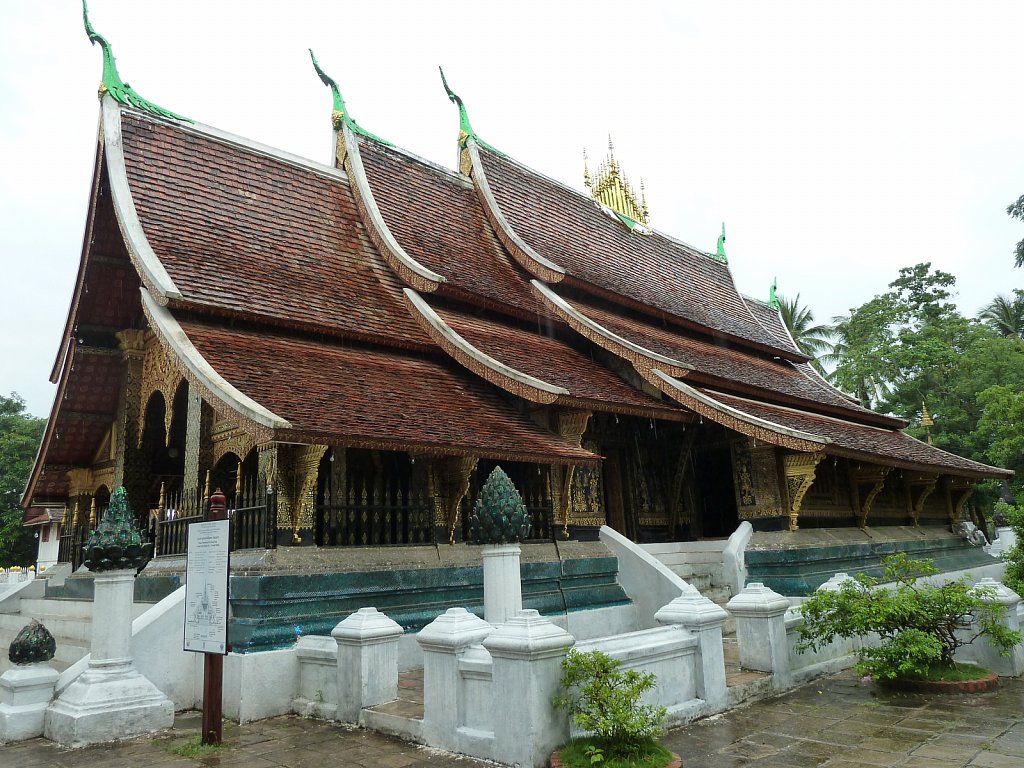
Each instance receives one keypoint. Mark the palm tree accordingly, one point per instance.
(841, 368)
(813, 340)
(1005, 315)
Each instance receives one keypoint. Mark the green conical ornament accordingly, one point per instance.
(499, 515)
(33, 644)
(116, 543)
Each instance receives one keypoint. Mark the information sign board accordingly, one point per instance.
(206, 587)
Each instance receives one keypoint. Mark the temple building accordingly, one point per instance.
(348, 348)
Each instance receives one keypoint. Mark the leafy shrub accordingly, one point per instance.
(920, 626)
(1014, 557)
(605, 700)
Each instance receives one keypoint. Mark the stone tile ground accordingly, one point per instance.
(838, 722)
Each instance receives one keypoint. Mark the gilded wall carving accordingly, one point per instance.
(160, 373)
(448, 480)
(586, 496)
(571, 426)
(919, 486)
(799, 470)
(298, 466)
(757, 480)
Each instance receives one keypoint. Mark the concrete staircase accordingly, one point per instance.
(68, 620)
(698, 563)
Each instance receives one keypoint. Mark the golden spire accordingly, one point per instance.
(926, 421)
(610, 187)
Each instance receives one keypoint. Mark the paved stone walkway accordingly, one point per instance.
(838, 722)
(842, 722)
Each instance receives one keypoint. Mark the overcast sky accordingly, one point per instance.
(837, 141)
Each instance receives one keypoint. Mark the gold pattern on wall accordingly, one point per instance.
(448, 483)
(919, 486)
(231, 441)
(800, 469)
(743, 467)
(870, 475)
(297, 476)
(586, 505)
(764, 480)
(160, 373)
(571, 426)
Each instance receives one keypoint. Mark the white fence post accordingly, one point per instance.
(704, 618)
(442, 640)
(761, 631)
(527, 653)
(984, 652)
(367, 662)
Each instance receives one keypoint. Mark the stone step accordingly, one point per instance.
(73, 629)
(704, 545)
(63, 608)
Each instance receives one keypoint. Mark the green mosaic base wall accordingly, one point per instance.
(798, 572)
(268, 611)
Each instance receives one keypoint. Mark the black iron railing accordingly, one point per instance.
(369, 525)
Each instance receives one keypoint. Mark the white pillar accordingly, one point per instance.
(527, 653)
(444, 705)
(984, 652)
(503, 587)
(111, 700)
(25, 692)
(704, 618)
(761, 631)
(367, 662)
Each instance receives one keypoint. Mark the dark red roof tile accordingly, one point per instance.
(376, 398)
(571, 230)
(436, 217)
(875, 444)
(553, 361)
(243, 233)
(725, 363)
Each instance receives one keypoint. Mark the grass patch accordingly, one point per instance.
(194, 748)
(593, 753)
(955, 674)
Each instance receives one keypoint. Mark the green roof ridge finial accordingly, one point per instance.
(340, 114)
(112, 82)
(720, 255)
(466, 131)
(773, 299)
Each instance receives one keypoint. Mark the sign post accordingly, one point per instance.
(206, 607)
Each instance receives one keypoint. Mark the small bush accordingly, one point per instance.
(1014, 557)
(604, 700)
(920, 625)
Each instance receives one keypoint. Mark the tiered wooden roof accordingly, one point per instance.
(392, 303)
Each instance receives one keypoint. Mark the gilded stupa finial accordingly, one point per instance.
(610, 187)
(586, 170)
(339, 115)
(927, 421)
(720, 250)
(111, 81)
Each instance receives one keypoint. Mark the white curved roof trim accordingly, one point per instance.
(449, 334)
(168, 328)
(124, 207)
(688, 391)
(480, 178)
(358, 177)
(600, 330)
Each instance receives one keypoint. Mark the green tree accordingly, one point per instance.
(1001, 429)
(812, 339)
(1005, 315)
(1016, 210)
(20, 434)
